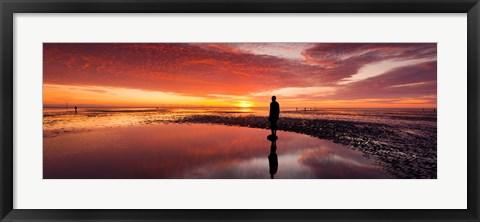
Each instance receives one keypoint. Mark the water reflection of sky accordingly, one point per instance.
(173, 151)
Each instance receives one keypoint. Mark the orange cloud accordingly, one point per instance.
(299, 73)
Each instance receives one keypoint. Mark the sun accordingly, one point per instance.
(243, 104)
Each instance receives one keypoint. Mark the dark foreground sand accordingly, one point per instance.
(400, 149)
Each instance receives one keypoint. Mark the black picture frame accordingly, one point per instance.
(9, 7)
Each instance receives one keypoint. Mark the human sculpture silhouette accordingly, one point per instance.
(273, 158)
(274, 115)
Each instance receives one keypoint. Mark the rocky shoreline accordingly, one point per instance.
(405, 151)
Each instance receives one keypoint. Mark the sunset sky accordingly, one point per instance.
(323, 75)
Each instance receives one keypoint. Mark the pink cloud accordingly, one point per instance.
(408, 81)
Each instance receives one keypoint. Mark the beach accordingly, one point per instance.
(398, 143)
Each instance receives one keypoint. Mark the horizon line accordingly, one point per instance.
(235, 107)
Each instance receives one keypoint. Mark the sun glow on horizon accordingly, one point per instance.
(58, 95)
(244, 104)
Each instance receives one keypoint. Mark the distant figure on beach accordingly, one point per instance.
(273, 158)
(75, 109)
(274, 115)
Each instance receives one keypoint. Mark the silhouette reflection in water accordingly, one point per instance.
(272, 158)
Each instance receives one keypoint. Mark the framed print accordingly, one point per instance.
(204, 110)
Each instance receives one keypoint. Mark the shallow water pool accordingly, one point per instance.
(203, 151)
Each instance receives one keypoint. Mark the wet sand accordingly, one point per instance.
(403, 142)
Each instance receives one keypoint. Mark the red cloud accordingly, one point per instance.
(207, 68)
